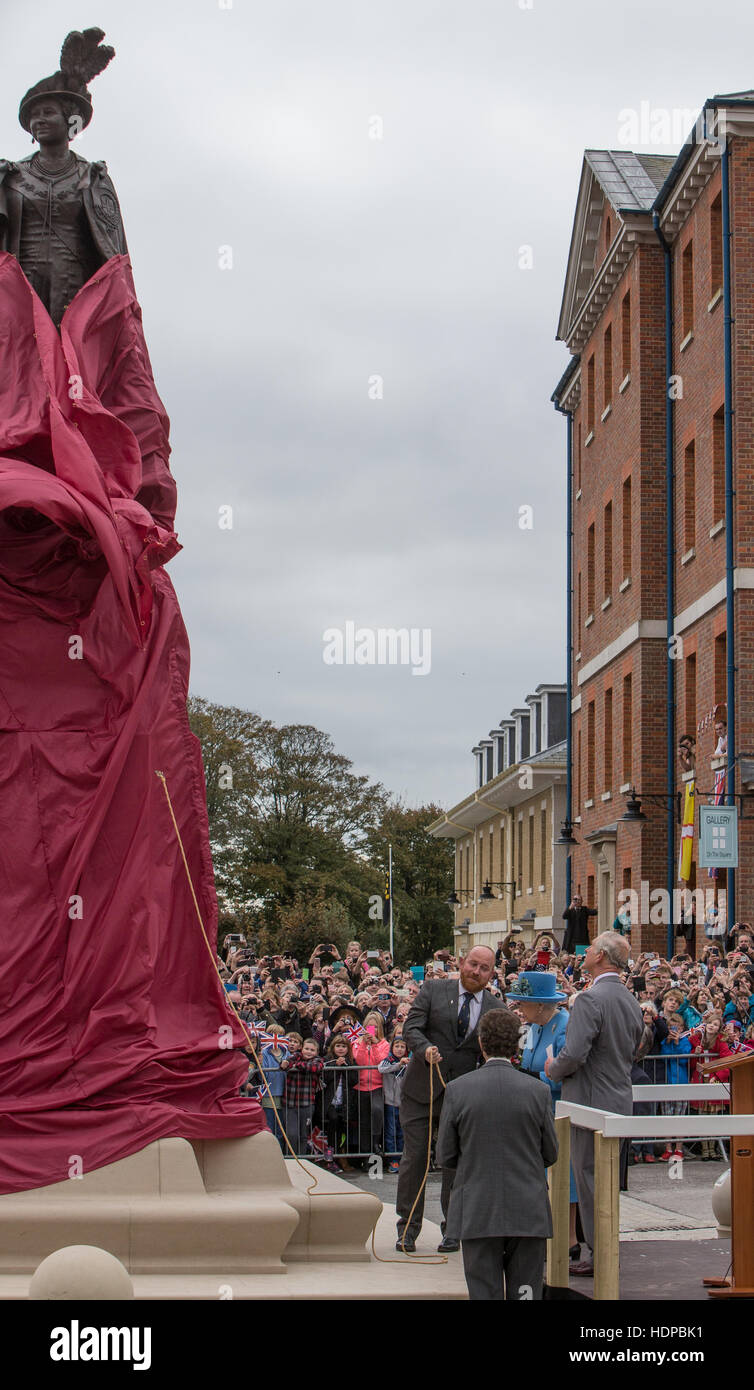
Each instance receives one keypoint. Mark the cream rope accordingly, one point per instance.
(311, 1189)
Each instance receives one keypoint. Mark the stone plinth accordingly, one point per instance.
(220, 1207)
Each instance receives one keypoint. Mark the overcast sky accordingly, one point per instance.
(353, 258)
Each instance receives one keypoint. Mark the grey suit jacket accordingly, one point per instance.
(433, 1022)
(604, 1031)
(497, 1131)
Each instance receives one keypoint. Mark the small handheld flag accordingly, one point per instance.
(353, 1033)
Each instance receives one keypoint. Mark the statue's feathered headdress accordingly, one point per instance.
(82, 57)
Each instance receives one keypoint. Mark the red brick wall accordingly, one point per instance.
(632, 439)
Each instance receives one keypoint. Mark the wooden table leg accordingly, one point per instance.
(606, 1217)
(560, 1185)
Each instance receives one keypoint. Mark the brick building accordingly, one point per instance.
(507, 871)
(658, 314)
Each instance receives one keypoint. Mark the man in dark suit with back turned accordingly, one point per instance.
(441, 1027)
(497, 1131)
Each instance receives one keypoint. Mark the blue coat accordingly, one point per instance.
(541, 1037)
(274, 1074)
(677, 1071)
(689, 1014)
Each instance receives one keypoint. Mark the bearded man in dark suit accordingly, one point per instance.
(442, 1029)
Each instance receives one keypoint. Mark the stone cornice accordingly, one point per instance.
(635, 230)
(699, 170)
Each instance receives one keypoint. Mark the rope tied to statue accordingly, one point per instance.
(311, 1190)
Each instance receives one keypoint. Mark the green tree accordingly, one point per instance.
(311, 815)
(228, 738)
(422, 879)
(303, 924)
(300, 841)
(293, 823)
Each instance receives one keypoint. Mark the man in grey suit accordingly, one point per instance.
(603, 1036)
(441, 1028)
(497, 1131)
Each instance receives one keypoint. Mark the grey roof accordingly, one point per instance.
(629, 181)
(657, 166)
(570, 371)
(556, 753)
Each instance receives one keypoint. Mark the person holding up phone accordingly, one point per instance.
(577, 916)
(368, 1051)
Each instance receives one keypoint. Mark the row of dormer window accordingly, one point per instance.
(526, 733)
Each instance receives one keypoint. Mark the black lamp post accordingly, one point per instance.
(566, 836)
(633, 811)
(487, 894)
(454, 900)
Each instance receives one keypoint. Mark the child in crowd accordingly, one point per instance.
(302, 1081)
(675, 1002)
(339, 1105)
(369, 1050)
(675, 1046)
(707, 1042)
(273, 1055)
(393, 1069)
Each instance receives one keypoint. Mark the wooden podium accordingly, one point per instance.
(741, 1282)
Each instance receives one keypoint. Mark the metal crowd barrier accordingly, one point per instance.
(360, 1127)
(663, 1078)
(660, 1067)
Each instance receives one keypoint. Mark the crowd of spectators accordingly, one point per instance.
(332, 1052)
(333, 1056)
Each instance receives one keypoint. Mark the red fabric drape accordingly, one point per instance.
(114, 1028)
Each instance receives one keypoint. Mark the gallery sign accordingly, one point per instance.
(718, 837)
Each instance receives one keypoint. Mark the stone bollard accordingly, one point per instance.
(721, 1203)
(79, 1273)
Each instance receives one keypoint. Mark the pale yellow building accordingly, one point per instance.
(508, 872)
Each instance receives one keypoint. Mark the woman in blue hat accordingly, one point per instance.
(536, 998)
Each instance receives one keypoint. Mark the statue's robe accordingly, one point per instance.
(114, 1027)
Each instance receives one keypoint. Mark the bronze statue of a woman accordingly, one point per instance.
(59, 214)
(103, 865)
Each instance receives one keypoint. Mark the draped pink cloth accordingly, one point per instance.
(114, 1028)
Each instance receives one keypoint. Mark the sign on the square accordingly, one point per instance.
(718, 837)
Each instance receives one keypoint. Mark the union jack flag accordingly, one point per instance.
(353, 1033)
(319, 1145)
(269, 1039)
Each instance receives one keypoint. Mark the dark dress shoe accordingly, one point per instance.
(407, 1246)
(448, 1246)
(584, 1269)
